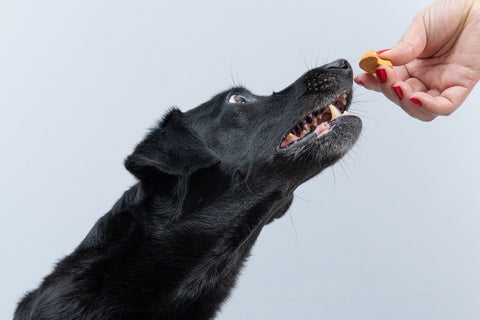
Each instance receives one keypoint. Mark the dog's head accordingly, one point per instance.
(278, 141)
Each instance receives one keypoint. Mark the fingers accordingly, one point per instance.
(401, 92)
(410, 46)
(368, 81)
(443, 104)
(406, 100)
(412, 95)
(389, 82)
(371, 82)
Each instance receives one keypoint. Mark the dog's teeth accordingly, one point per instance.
(306, 129)
(346, 113)
(334, 111)
(319, 117)
(343, 98)
(297, 131)
(314, 122)
(291, 138)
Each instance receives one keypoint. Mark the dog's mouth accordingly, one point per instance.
(317, 122)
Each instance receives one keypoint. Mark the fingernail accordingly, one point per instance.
(382, 75)
(382, 51)
(416, 101)
(398, 91)
(360, 83)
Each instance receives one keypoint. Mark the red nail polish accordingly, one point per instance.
(381, 75)
(416, 101)
(398, 91)
(360, 83)
(382, 51)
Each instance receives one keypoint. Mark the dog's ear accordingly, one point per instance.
(172, 148)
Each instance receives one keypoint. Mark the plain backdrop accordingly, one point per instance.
(390, 232)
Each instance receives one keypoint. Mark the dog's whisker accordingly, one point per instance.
(334, 178)
(317, 57)
(234, 83)
(363, 137)
(293, 225)
(305, 199)
(351, 157)
(304, 59)
(363, 113)
(340, 163)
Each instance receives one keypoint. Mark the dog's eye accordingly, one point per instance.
(236, 98)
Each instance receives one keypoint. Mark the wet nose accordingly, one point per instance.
(338, 64)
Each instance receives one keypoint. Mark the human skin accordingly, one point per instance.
(436, 62)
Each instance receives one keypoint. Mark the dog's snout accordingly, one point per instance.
(338, 64)
(327, 77)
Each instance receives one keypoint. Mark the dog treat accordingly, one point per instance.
(370, 61)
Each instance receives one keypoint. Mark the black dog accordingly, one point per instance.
(209, 180)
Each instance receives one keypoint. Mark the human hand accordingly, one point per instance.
(436, 62)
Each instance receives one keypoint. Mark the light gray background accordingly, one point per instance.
(391, 232)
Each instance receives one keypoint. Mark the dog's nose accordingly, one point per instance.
(338, 64)
(335, 74)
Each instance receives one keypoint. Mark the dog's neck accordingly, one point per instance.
(227, 223)
(197, 246)
(219, 261)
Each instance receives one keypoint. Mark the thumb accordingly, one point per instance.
(411, 45)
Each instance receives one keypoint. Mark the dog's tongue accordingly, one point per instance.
(319, 130)
(323, 128)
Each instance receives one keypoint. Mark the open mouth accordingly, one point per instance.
(317, 122)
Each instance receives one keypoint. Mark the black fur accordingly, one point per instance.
(209, 180)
